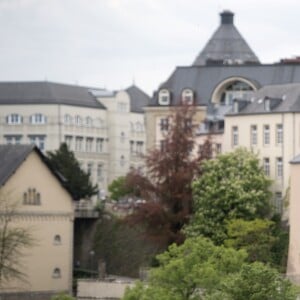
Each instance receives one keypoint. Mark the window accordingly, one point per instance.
(57, 240)
(90, 168)
(122, 137)
(279, 134)
(56, 273)
(89, 145)
(164, 124)
(100, 172)
(139, 147)
(122, 161)
(235, 136)
(218, 148)
(187, 96)
(266, 166)
(31, 197)
(279, 167)
(14, 119)
(78, 120)
(122, 107)
(164, 97)
(267, 106)
(38, 119)
(131, 147)
(88, 122)
(38, 140)
(278, 202)
(13, 139)
(99, 145)
(139, 127)
(163, 145)
(253, 135)
(68, 141)
(78, 143)
(67, 119)
(266, 135)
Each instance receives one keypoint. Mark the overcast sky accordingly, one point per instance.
(111, 43)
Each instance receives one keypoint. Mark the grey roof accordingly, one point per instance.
(204, 79)
(46, 93)
(283, 98)
(138, 99)
(295, 160)
(12, 156)
(226, 45)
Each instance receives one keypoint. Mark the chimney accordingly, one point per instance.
(226, 17)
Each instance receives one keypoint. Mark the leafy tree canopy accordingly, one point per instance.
(198, 269)
(118, 188)
(255, 236)
(78, 181)
(232, 186)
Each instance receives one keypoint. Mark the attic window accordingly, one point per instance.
(164, 97)
(267, 104)
(31, 197)
(187, 96)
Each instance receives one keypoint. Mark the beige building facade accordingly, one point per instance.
(104, 129)
(45, 209)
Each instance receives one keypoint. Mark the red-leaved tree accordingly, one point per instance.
(166, 181)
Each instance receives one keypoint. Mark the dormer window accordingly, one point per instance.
(267, 104)
(187, 96)
(164, 97)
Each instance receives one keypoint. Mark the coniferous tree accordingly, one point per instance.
(78, 181)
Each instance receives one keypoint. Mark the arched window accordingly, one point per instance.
(187, 96)
(56, 273)
(31, 197)
(122, 161)
(122, 137)
(57, 240)
(164, 97)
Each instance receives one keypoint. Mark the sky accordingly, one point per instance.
(114, 43)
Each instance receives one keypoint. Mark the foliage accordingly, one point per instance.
(166, 186)
(78, 182)
(198, 269)
(123, 248)
(233, 186)
(13, 241)
(255, 236)
(62, 297)
(119, 189)
(258, 282)
(189, 271)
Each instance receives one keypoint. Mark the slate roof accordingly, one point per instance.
(12, 156)
(285, 97)
(226, 44)
(46, 93)
(138, 99)
(204, 79)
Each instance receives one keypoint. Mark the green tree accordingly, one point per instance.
(192, 270)
(258, 282)
(13, 241)
(255, 236)
(78, 181)
(118, 188)
(62, 297)
(232, 186)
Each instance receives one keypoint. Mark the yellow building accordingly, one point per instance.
(45, 208)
